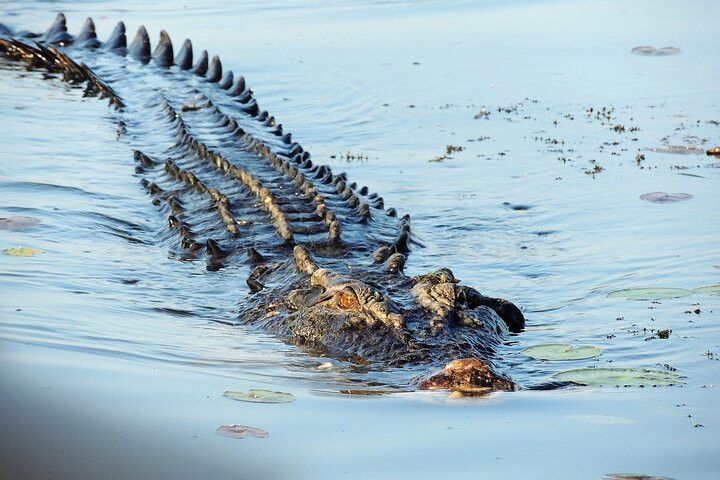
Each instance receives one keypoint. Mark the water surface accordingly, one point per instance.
(115, 352)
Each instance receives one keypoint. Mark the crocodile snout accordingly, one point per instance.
(468, 375)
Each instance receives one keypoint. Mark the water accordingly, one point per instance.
(113, 348)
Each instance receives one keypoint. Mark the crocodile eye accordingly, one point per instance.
(346, 300)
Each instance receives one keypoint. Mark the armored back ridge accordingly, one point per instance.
(327, 257)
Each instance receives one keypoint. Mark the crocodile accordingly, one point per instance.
(325, 255)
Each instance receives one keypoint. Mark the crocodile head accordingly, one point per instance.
(387, 318)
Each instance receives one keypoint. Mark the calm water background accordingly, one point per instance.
(113, 362)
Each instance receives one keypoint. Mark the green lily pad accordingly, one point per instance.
(709, 290)
(561, 351)
(260, 396)
(619, 377)
(22, 251)
(241, 431)
(652, 293)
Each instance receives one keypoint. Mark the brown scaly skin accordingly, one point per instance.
(467, 375)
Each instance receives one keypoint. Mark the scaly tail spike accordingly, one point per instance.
(163, 54)
(214, 72)
(117, 40)
(226, 81)
(87, 36)
(140, 47)
(57, 33)
(201, 65)
(185, 56)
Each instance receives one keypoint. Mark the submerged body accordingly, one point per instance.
(328, 256)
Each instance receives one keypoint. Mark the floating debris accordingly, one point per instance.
(241, 431)
(483, 113)
(450, 149)
(23, 251)
(662, 197)
(650, 51)
(260, 396)
(18, 223)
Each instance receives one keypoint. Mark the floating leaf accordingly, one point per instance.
(667, 51)
(652, 293)
(644, 50)
(241, 431)
(709, 290)
(260, 396)
(649, 50)
(22, 251)
(561, 351)
(619, 377)
(662, 197)
(633, 476)
(18, 223)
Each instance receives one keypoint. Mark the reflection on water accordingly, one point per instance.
(575, 130)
